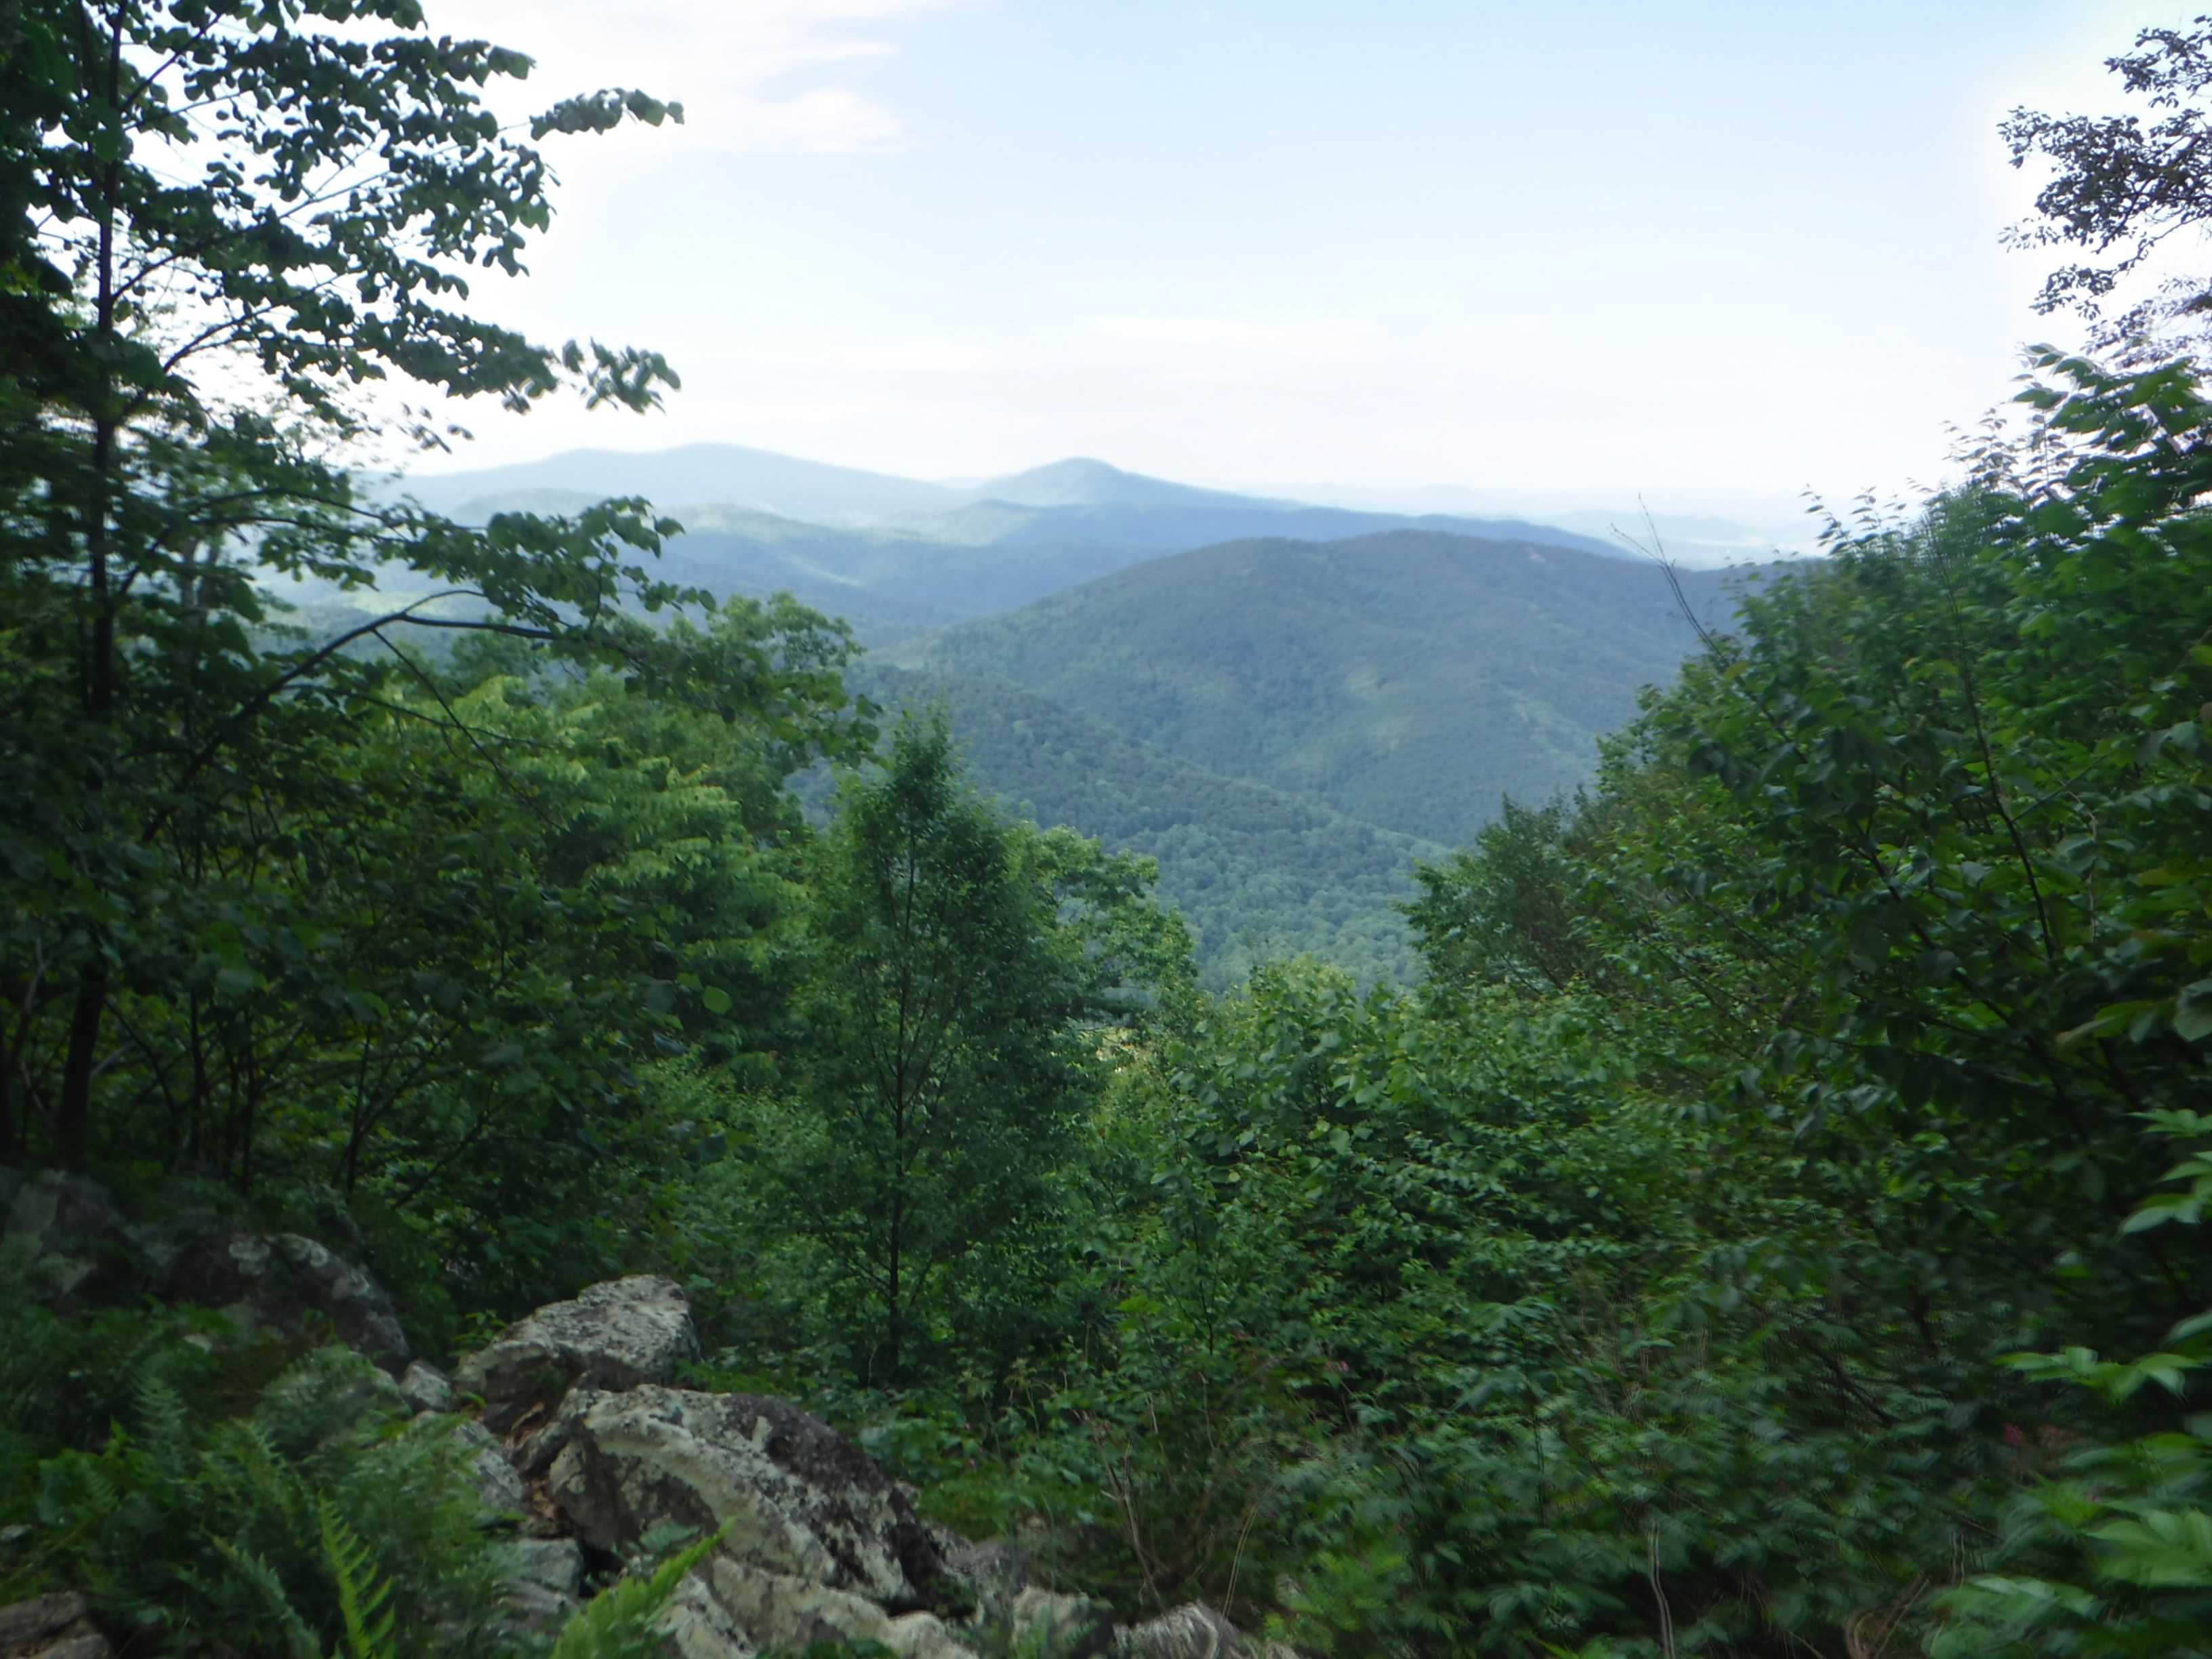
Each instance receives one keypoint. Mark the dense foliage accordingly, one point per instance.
(2120, 189)
(1667, 1274)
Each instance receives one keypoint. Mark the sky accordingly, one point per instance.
(1714, 254)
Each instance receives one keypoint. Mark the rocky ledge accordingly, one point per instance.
(582, 1446)
(817, 1542)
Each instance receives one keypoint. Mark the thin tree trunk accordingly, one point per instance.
(7, 1102)
(891, 1314)
(73, 1119)
(72, 1124)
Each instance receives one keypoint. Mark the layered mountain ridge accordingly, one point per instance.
(897, 556)
(1287, 705)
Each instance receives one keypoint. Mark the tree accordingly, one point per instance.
(958, 966)
(2124, 190)
(221, 225)
(1504, 908)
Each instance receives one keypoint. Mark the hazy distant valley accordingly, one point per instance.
(1286, 704)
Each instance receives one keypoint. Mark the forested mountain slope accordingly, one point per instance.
(1259, 874)
(1408, 679)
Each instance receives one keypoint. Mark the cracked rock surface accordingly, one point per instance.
(617, 1335)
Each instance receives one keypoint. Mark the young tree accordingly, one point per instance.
(946, 1025)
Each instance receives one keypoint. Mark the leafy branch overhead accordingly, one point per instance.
(2123, 189)
(221, 227)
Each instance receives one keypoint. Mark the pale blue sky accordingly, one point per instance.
(1709, 251)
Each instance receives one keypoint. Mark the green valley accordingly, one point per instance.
(1258, 874)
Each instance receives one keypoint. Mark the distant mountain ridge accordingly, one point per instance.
(896, 556)
(697, 474)
(1080, 481)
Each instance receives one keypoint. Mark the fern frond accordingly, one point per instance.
(254, 1571)
(364, 1596)
(165, 1427)
(244, 1468)
(618, 1623)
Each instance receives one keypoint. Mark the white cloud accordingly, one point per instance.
(737, 69)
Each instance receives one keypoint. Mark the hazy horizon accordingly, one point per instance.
(1728, 253)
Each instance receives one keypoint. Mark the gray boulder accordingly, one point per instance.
(58, 1626)
(1194, 1631)
(730, 1608)
(78, 1249)
(697, 1626)
(994, 1571)
(500, 1492)
(73, 1240)
(425, 1388)
(613, 1336)
(1015, 1616)
(285, 1282)
(1044, 1621)
(544, 1582)
(798, 1499)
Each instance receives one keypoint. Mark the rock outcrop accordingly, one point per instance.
(545, 1581)
(282, 1282)
(730, 1608)
(1194, 1631)
(501, 1495)
(621, 1335)
(425, 1388)
(793, 1497)
(79, 1249)
(817, 1542)
(1065, 1626)
(76, 1245)
(585, 1450)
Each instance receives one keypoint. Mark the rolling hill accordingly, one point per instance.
(1406, 680)
(1080, 481)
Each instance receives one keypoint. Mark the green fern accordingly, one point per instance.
(318, 1520)
(165, 1427)
(364, 1597)
(258, 1575)
(619, 1622)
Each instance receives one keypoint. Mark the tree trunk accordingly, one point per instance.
(72, 1121)
(7, 1103)
(891, 1319)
